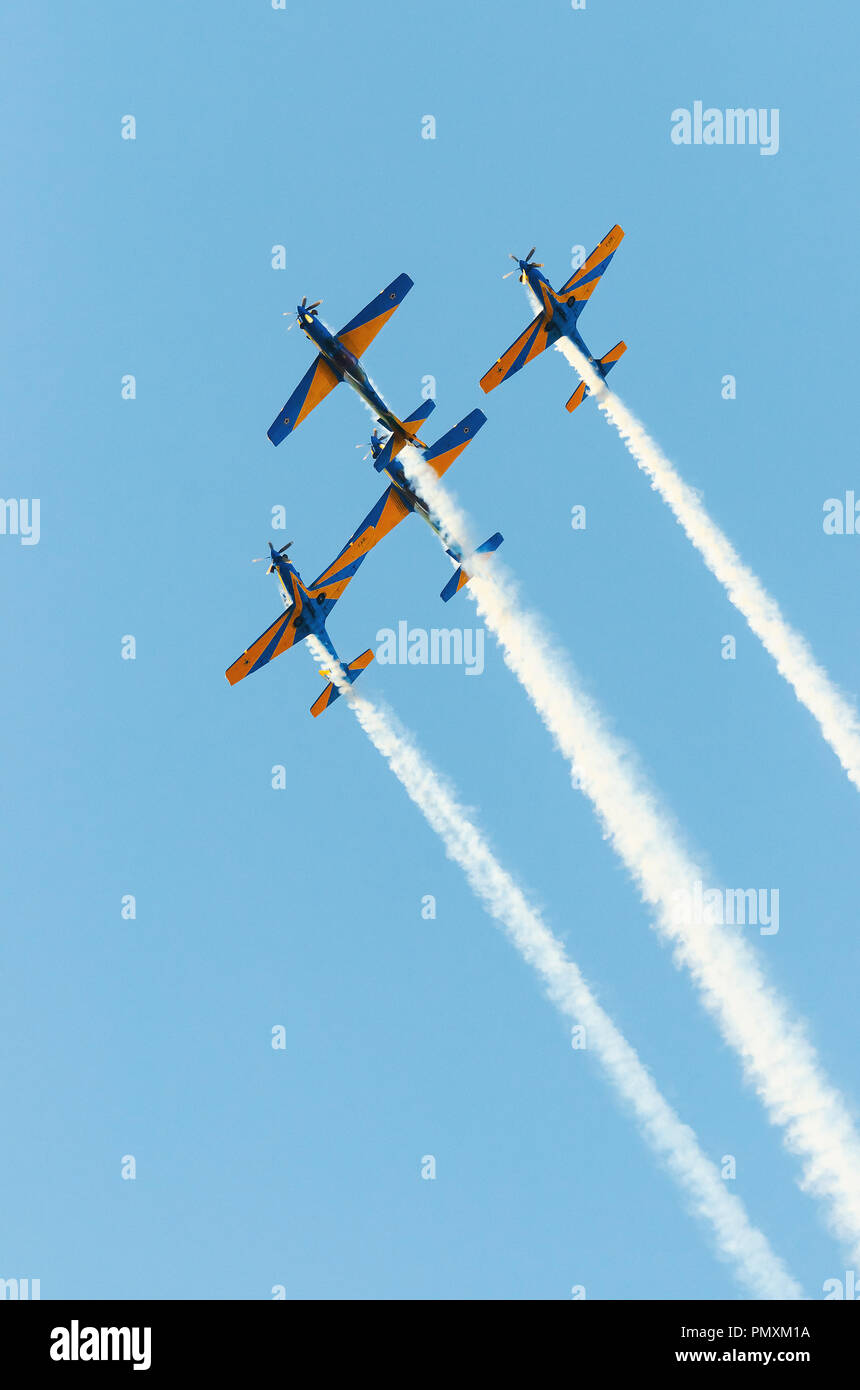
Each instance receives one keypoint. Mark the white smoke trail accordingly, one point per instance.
(737, 1240)
(776, 1055)
(835, 715)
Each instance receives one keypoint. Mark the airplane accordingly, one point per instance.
(560, 310)
(400, 499)
(306, 613)
(338, 360)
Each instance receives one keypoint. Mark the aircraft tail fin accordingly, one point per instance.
(604, 365)
(331, 693)
(418, 416)
(411, 425)
(407, 429)
(461, 577)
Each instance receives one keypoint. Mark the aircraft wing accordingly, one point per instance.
(388, 513)
(582, 282)
(529, 344)
(451, 445)
(314, 386)
(283, 633)
(359, 333)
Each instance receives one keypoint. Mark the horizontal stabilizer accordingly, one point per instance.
(418, 416)
(331, 692)
(607, 362)
(604, 366)
(460, 578)
(408, 432)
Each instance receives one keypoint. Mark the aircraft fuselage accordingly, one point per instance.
(398, 476)
(564, 316)
(344, 364)
(293, 592)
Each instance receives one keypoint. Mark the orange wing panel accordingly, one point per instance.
(528, 345)
(583, 281)
(276, 639)
(359, 333)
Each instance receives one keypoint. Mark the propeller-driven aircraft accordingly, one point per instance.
(337, 360)
(306, 613)
(558, 315)
(400, 498)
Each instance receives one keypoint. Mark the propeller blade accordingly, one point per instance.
(508, 274)
(304, 300)
(513, 257)
(531, 253)
(316, 304)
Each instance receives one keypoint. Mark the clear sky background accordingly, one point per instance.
(302, 907)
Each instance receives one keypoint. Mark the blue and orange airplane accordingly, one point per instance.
(560, 310)
(400, 499)
(306, 612)
(338, 360)
(308, 607)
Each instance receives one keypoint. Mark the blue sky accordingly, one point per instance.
(302, 907)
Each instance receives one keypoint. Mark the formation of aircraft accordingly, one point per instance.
(558, 315)
(338, 359)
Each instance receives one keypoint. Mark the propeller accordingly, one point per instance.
(523, 264)
(304, 308)
(263, 559)
(374, 439)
